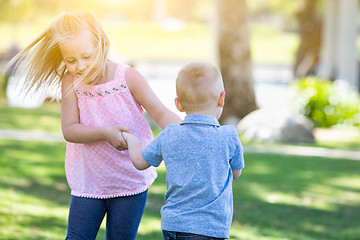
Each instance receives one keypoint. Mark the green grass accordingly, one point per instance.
(290, 197)
(45, 118)
(35, 196)
(277, 197)
(147, 40)
(270, 45)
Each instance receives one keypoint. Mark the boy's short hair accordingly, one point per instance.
(198, 86)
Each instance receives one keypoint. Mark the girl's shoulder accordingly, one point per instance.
(115, 66)
(117, 70)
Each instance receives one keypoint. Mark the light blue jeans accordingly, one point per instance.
(122, 220)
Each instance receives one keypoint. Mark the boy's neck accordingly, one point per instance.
(206, 112)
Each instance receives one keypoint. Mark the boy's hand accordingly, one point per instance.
(135, 148)
(128, 137)
(115, 138)
(125, 135)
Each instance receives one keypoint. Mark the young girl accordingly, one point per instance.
(100, 99)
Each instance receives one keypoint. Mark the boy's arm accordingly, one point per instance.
(236, 173)
(134, 148)
(237, 161)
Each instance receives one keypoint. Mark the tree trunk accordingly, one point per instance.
(234, 60)
(310, 30)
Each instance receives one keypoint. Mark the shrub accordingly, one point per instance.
(326, 103)
(2, 85)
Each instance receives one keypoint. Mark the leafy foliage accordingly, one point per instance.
(326, 103)
(2, 85)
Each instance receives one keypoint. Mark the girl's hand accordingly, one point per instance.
(115, 138)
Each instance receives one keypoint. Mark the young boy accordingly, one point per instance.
(201, 158)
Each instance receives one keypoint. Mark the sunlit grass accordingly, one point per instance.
(300, 198)
(46, 118)
(149, 225)
(25, 215)
(33, 189)
(145, 40)
(270, 45)
(277, 196)
(150, 41)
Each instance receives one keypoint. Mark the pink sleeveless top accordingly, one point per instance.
(97, 169)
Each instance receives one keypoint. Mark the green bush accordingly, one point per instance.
(326, 103)
(2, 85)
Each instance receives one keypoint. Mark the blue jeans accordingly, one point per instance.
(122, 220)
(169, 235)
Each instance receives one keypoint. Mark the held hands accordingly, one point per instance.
(135, 151)
(130, 138)
(115, 138)
(120, 138)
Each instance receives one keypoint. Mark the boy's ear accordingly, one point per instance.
(178, 105)
(221, 101)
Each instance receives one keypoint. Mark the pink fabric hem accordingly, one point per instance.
(95, 196)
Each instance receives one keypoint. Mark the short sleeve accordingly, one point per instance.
(152, 152)
(237, 161)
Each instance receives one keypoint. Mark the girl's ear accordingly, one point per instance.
(221, 101)
(178, 105)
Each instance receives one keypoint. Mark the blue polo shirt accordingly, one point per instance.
(199, 155)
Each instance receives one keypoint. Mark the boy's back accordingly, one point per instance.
(199, 156)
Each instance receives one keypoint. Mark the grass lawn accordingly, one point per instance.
(150, 41)
(277, 197)
(46, 118)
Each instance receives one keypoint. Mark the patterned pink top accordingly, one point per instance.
(97, 169)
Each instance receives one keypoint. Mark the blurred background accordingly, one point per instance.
(262, 48)
(291, 73)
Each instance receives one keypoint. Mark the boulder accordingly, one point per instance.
(272, 125)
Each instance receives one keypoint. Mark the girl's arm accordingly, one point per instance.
(75, 132)
(145, 96)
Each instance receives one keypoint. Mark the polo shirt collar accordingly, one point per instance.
(200, 119)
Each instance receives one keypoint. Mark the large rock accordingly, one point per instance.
(272, 125)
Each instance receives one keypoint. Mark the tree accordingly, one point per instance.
(310, 31)
(234, 59)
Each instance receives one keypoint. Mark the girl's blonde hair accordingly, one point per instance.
(41, 62)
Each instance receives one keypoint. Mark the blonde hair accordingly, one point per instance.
(41, 62)
(198, 86)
